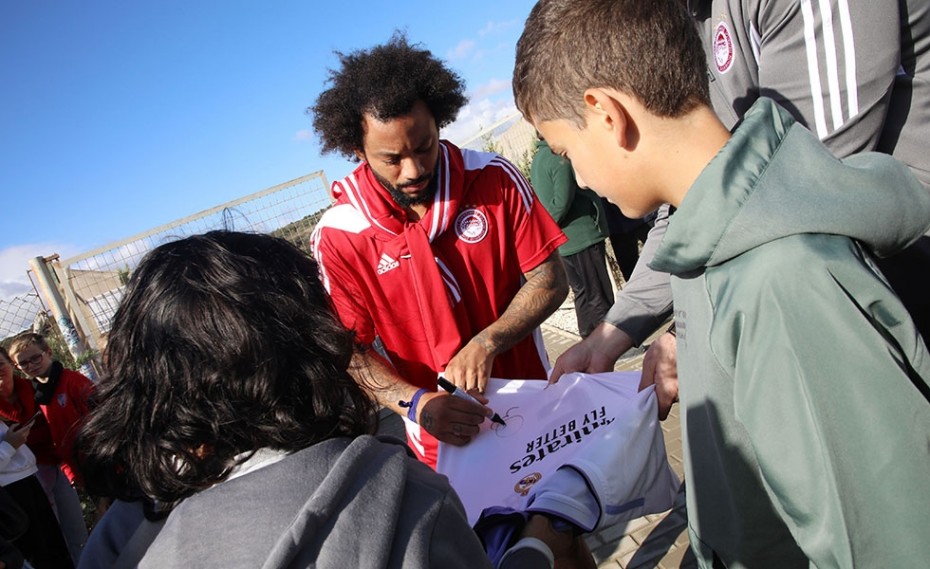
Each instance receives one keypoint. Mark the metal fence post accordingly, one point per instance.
(56, 304)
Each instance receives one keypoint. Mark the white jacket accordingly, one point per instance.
(15, 463)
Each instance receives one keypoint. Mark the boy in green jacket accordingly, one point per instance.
(804, 390)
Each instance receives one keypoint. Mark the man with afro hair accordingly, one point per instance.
(440, 259)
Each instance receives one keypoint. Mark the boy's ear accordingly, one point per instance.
(608, 112)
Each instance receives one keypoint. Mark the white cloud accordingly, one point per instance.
(492, 87)
(477, 116)
(482, 111)
(494, 27)
(304, 135)
(461, 51)
(14, 263)
(478, 55)
(12, 288)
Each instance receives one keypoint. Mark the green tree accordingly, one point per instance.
(488, 144)
(299, 231)
(525, 162)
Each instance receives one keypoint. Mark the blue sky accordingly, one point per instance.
(116, 117)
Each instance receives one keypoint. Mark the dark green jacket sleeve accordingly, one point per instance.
(554, 182)
(578, 211)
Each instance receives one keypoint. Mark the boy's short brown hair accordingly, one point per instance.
(25, 340)
(650, 50)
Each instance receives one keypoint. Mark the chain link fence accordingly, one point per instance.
(20, 313)
(513, 138)
(92, 283)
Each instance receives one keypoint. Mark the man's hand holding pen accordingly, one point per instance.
(451, 419)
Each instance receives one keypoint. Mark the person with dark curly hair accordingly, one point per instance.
(443, 255)
(231, 431)
(385, 82)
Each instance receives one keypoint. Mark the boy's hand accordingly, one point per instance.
(660, 368)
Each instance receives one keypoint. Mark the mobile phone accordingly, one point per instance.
(28, 423)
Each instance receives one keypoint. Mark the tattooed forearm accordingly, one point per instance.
(379, 379)
(545, 288)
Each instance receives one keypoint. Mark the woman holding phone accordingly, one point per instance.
(18, 405)
(42, 543)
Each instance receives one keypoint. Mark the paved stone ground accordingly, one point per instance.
(659, 540)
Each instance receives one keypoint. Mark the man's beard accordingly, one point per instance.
(404, 200)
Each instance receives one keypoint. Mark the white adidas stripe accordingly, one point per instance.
(852, 85)
(831, 63)
(526, 192)
(451, 283)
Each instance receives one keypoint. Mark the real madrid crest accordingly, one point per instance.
(471, 225)
(525, 484)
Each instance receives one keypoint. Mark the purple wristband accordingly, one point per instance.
(412, 406)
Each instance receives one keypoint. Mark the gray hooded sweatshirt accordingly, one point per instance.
(805, 411)
(338, 504)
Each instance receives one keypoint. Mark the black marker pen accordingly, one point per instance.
(462, 394)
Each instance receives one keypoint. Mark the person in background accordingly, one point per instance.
(61, 394)
(581, 217)
(41, 542)
(626, 237)
(227, 403)
(805, 402)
